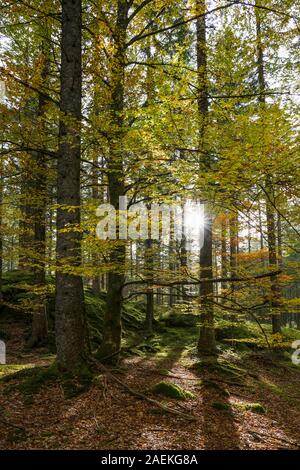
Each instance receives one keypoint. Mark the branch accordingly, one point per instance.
(278, 211)
(253, 95)
(141, 396)
(269, 9)
(138, 9)
(140, 36)
(159, 283)
(214, 10)
(28, 85)
(29, 149)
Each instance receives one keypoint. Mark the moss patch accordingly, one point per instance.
(222, 369)
(221, 406)
(254, 407)
(32, 380)
(171, 390)
(210, 384)
(9, 371)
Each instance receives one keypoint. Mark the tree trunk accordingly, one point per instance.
(172, 265)
(39, 328)
(206, 343)
(26, 226)
(183, 255)
(233, 230)
(249, 232)
(279, 241)
(224, 261)
(96, 281)
(149, 295)
(275, 290)
(1, 230)
(271, 225)
(111, 343)
(70, 310)
(261, 232)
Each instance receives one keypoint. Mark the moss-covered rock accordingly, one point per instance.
(171, 390)
(221, 406)
(254, 407)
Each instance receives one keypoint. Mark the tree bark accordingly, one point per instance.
(233, 231)
(149, 296)
(39, 327)
(111, 343)
(1, 230)
(96, 281)
(70, 310)
(270, 213)
(206, 343)
(224, 261)
(183, 254)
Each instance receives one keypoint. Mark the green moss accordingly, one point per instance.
(255, 407)
(32, 380)
(16, 435)
(221, 406)
(164, 372)
(171, 390)
(17, 276)
(133, 315)
(95, 307)
(222, 369)
(291, 333)
(229, 330)
(181, 320)
(214, 386)
(10, 371)
(265, 383)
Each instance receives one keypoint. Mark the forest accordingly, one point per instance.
(149, 225)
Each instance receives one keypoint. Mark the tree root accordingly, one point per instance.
(141, 396)
(11, 425)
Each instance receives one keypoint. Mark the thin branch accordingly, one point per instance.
(142, 5)
(159, 283)
(28, 85)
(140, 36)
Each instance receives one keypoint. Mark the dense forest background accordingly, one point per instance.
(192, 103)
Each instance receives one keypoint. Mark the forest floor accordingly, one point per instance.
(242, 401)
